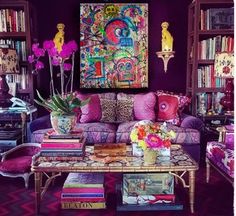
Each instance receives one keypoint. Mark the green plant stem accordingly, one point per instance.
(52, 89)
(72, 72)
(62, 78)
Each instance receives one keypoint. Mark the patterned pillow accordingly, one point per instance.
(108, 110)
(124, 110)
(170, 105)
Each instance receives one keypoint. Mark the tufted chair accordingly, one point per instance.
(220, 155)
(16, 162)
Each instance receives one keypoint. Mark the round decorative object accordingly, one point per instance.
(63, 124)
(149, 156)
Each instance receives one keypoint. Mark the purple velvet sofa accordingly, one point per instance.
(109, 118)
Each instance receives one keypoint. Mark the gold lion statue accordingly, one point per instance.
(59, 37)
(167, 39)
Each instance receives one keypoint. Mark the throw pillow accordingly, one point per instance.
(108, 110)
(91, 112)
(124, 110)
(170, 105)
(168, 109)
(144, 106)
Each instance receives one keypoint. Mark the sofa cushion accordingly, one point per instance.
(144, 106)
(123, 131)
(221, 156)
(98, 132)
(91, 112)
(124, 110)
(108, 108)
(170, 106)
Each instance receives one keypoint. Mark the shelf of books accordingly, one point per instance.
(210, 30)
(16, 29)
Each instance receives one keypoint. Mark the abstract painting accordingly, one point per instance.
(113, 45)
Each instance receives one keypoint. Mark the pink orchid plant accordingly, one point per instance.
(64, 102)
(152, 135)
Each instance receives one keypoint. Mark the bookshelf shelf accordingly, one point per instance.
(207, 35)
(16, 28)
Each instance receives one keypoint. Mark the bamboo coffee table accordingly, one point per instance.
(179, 165)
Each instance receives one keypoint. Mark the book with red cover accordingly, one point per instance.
(75, 134)
(83, 190)
(54, 145)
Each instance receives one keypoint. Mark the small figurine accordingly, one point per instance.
(59, 37)
(167, 39)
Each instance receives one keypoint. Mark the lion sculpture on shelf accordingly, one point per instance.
(167, 39)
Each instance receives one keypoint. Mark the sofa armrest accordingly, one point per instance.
(189, 121)
(40, 123)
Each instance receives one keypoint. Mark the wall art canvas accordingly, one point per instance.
(114, 45)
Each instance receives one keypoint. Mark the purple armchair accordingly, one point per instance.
(16, 162)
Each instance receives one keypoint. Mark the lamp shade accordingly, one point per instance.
(8, 61)
(224, 65)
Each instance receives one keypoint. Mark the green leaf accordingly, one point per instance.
(84, 102)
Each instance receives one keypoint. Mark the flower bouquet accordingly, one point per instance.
(152, 136)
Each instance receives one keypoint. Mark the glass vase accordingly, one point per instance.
(149, 156)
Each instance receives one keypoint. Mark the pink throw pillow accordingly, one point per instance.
(144, 106)
(91, 112)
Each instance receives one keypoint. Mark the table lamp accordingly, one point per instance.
(224, 68)
(8, 65)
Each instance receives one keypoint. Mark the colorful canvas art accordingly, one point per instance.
(114, 45)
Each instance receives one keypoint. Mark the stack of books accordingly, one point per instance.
(62, 146)
(83, 191)
(149, 188)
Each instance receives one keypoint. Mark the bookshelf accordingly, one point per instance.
(210, 30)
(16, 30)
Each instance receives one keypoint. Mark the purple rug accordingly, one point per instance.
(213, 199)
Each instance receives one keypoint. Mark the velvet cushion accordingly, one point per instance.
(170, 106)
(124, 110)
(108, 108)
(91, 112)
(16, 165)
(144, 106)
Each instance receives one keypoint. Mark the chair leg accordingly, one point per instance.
(26, 178)
(207, 171)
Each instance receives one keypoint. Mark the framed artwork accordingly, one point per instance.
(114, 45)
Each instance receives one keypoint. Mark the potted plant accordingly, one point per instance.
(64, 106)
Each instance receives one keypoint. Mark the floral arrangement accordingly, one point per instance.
(151, 135)
(64, 102)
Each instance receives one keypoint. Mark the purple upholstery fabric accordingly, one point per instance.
(24, 151)
(221, 156)
(98, 132)
(123, 131)
(95, 132)
(16, 165)
(188, 121)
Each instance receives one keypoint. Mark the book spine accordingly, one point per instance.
(83, 190)
(76, 199)
(47, 140)
(62, 145)
(83, 205)
(65, 154)
(83, 195)
(59, 158)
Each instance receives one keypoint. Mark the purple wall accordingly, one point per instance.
(49, 13)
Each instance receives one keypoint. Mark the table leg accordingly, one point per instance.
(207, 170)
(38, 184)
(191, 190)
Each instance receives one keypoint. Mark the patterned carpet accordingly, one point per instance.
(213, 199)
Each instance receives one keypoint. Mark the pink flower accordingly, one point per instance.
(73, 45)
(52, 52)
(35, 46)
(39, 52)
(154, 141)
(55, 61)
(48, 44)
